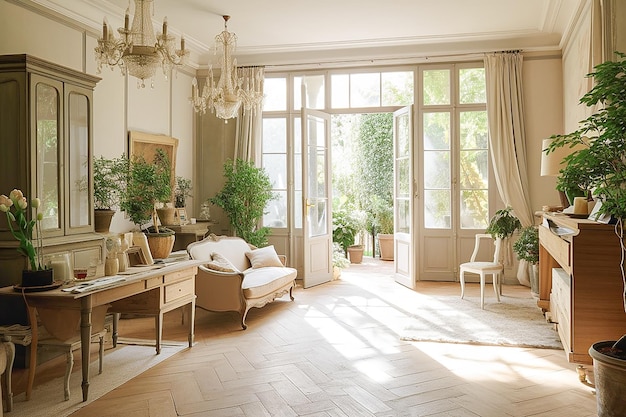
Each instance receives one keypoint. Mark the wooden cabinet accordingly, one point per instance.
(580, 282)
(46, 136)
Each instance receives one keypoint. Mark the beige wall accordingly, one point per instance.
(119, 106)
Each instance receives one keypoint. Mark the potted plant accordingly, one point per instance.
(182, 191)
(339, 260)
(243, 198)
(346, 226)
(503, 224)
(526, 248)
(147, 184)
(26, 229)
(601, 160)
(109, 183)
(383, 223)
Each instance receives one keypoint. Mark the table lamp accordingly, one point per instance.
(552, 163)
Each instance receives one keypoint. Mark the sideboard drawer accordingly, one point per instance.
(558, 248)
(178, 290)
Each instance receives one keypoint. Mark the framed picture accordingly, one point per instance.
(146, 145)
(182, 216)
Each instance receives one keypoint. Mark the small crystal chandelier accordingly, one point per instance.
(137, 51)
(236, 87)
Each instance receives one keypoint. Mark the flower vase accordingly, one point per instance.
(38, 278)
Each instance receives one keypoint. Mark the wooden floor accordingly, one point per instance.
(336, 351)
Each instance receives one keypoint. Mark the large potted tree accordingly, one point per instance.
(244, 199)
(147, 184)
(602, 160)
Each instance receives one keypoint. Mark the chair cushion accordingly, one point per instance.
(261, 281)
(264, 257)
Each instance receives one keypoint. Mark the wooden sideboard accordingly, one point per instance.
(586, 300)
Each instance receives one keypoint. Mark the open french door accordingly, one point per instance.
(404, 231)
(317, 201)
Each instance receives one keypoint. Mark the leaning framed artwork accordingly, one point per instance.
(146, 145)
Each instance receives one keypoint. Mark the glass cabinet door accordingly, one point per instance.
(79, 181)
(48, 125)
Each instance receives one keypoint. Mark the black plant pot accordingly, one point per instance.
(38, 278)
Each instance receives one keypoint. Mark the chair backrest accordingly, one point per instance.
(497, 246)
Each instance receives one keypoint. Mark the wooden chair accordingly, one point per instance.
(494, 268)
(7, 356)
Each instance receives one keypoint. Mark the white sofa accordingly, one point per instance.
(238, 276)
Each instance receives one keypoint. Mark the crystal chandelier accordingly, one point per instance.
(138, 51)
(236, 87)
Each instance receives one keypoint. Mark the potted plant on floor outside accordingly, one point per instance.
(147, 184)
(601, 159)
(346, 226)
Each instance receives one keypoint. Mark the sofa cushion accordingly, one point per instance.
(220, 263)
(259, 282)
(264, 257)
(232, 248)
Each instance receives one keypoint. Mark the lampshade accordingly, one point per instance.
(552, 163)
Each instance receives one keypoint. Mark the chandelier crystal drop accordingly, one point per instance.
(236, 88)
(137, 51)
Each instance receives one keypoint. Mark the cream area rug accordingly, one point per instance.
(120, 364)
(512, 322)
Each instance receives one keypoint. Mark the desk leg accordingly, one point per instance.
(32, 363)
(85, 340)
(10, 352)
(192, 316)
(116, 319)
(159, 331)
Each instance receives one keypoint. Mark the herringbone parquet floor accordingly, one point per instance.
(336, 351)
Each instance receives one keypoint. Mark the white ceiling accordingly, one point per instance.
(275, 32)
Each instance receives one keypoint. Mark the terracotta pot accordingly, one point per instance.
(355, 253)
(102, 220)
(160, 244)
(385, 243)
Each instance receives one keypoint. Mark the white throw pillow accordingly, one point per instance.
(263, 257)
(220, 263)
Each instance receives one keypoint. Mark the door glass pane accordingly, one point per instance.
(436, 87)
(402, 135)
(48, 154)
(397, 88)
(437, 169)
(365, 90)
(274, 94)
(78, 162)
(313, 90)
(437, 131)
(474, 170)
(437, 213)
(297, 172)
(472, 87)
(317, 207)
(404, 219)
(276, 211)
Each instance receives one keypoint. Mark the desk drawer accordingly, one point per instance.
(558, 248)
(178, 290)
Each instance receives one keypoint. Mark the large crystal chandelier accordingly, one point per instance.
(138, 51)
(236, 87)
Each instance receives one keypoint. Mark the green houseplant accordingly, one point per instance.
(147, 184)
(109, 183)
(602, 161)
(182, 191)
(503, 224)
(526, 247)
(243, 198)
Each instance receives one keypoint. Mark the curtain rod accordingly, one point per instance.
(476, 55)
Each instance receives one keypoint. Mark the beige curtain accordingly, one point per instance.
(248, 133)
(507, 141)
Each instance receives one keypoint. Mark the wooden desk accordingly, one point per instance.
(586, 298)
(147, 292)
